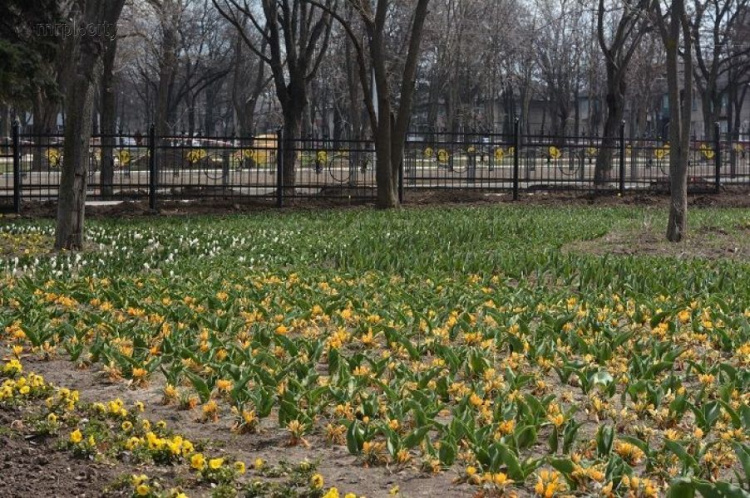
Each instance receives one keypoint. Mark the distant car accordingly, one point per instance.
(126, 141)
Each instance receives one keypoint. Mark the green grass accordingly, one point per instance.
(491, 344)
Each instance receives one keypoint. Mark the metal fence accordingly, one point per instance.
(137, 167)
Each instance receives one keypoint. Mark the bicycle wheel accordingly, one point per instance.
(339, 167)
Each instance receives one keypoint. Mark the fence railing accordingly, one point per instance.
(166, 168)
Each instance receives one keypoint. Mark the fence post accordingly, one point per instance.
(717, 156)
(280, 168)
(152, 180)
(622, 158)
(16, 167)
(225, 169)
(401, 180)
(516, 157)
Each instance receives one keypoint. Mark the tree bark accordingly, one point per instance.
(680, 106)
(615, 110)
(167, 66)
(292, 130)
(88, 51)
(108, 106)
(45, 121)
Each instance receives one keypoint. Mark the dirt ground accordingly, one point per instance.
(730, 197)
(32, 466)
(712, 243)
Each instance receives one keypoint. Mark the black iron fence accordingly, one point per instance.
(137, 167)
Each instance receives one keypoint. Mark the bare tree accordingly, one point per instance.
(169, 14)
(249, 80)
(559, 47)
(87, 50)
(717, 55)
(673, 26)
(108, 116)
(297, 35)
(388, 120)
(630, 26)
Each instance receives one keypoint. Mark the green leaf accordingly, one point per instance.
(681, 487)
(200, 385)
(605, 436)
(416, 437)
(743, 454)
(448, 451)
(355, 438)
(564, 465)
(687, 459)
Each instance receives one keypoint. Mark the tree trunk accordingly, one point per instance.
(679, 112)
(355, 111)
(387, 182)
(191, 117)
(615, 110)
(45, 122)
(108, 119)
(209, 119)
(167, 67)
(79, 102)
(292, 129)
(87, 54)
(247, 120)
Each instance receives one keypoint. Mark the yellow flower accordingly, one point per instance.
(198, 461)
(170, 393)
(332, 493)
(548, 483)
(137, 480)
(281, 330)
(316, 481)
(142, 490)
(239, 467)
(215, 463)
(630, 453)
(224, 385)
(127, 426)
(500, 479)
(76, 436)
(259, 463)
(132, 443)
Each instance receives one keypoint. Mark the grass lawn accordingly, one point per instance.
(496, 351)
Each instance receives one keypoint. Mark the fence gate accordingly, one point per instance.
(10, 186)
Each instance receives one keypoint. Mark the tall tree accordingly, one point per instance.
(558, 44)
(391, 113)
(674, 26)
(297, 35)
(108, 117)
(86, 48)
(717, 55)
(169, 13)
(618, 50)
(28, 45)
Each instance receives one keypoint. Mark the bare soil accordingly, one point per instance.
(30, 467)
(647, 240)
(730, 197)
(33, 468)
